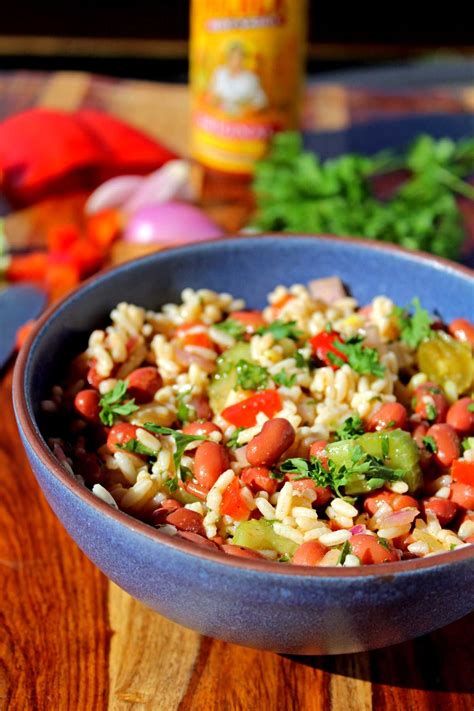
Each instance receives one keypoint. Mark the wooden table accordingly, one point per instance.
(70, 639)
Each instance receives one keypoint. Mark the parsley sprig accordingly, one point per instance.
(281, 329)
(114, 404)
(233, 441)
(181, 441)
(351, 428)
(185, 412)
(430, 444)
(284, 379)
(251, 376)
(232, 327)
(362, 359)
(414, 327)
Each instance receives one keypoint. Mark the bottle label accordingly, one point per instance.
(246, 68)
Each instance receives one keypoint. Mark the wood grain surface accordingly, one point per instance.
(71, 640)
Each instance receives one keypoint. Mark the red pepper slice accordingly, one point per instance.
(233, 504)
(325, 343)
(462, 471)
(244, 414)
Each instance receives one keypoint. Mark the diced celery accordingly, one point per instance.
(225, 378)
(259, 535)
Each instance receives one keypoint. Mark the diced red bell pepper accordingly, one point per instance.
(462, 471)
(61, 279)
(60, 238)
(325, 343)
(233, 504)
(27, 267)
(244, 414)
(200, 339)
(104, 227)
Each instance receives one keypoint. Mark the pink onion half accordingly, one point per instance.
(170, 223)
(171, 182)
(113, 193)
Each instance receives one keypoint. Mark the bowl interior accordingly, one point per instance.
(247, 268)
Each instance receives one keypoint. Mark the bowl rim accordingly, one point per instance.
(265, 567)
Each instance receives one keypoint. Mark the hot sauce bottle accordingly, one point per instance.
(246, 76)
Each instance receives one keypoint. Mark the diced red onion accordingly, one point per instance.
(327, 290)
(170, 223)
(356, 530)
(399, 518)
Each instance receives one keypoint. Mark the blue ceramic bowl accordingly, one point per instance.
(265, 605)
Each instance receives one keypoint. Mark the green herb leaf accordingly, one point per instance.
(416, 327)
(351, 428)
(185, 413)
(431, 412)
(136, 447)
(232, 328)
(345, 550)
(277, 475)
(282, 378)
(384, 543)
(233, 441)
(181, 441)
(281, 329)
(430, 444)
(251, 376)
(301, 360)
(385, 445)
(470, 407)
(362, 359)
(113, 404)
(467, 443)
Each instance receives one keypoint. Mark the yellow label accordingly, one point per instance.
(246, 69)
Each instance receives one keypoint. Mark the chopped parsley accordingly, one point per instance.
(384, 543)
(470, 407)
(351, 428)
(345, 550)
(431, 412)
(362, 359)
(467, 443)
(181, 441)
(233, 440)
(415, 327)
(136, 447)
(430, 444)
(282, 378)
(114, 405)
(185, 412)
(281, 329)
(232, 328)
(361, 466)
(251, 376)
(385, 445)
(277, 475)
(301, 360)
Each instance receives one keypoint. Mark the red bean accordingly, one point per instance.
(391, 415)
(259, 479)
(241, 551)
(197, 490)
(252, 320)
(186, 520)
(266, 448)
(463, 495)
(447, 444)
(210, 461)
(461, 417)
(120, 434)
(462, 330)
(143, 384)
(419, 432)
(323, 493)
(87, 465)
(203, 429)
(318, 450)
(309, 553)
(93, 377)
(86, 403)
(444, 509)
(370, 550)
(197, 539)
(436, 407)
(160, 514)
(200, 403)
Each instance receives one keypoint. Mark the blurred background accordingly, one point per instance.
(150, 40)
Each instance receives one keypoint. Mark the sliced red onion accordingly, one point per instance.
(328, 290)
(170, 223)
(399, 518)
(356, 530)
(113, 193)
(241, 456)
(185, 358)
(171, 182)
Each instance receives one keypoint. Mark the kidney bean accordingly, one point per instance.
(87, 465)
(200, 403)
(318, 450)
(397, 501)
(211, 459)
(266, 448)
(463, 495)
(252, 320)
(259, 479)
(86, 403)
(93, 377)
(143, 384)
(460, 417)
(447, 443)
(241, 551)
(309, 553)
(120, 434)
(370, 550)
(197, 490)
(391, 415)
(186, 520)
(419, 432)
(323, 493)
(470, 540)
(436, 400)
(159, 515)
(198, 539)
(462, 330)
(444, 509)
(203, 429)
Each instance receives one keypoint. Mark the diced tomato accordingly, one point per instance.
(325, 343)
(199, 338)
(233, 504)
(251, 320)
(318, 450)
(244, 414)
(60, 237)
(463, 471)
(103, 227)
(27, 267)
